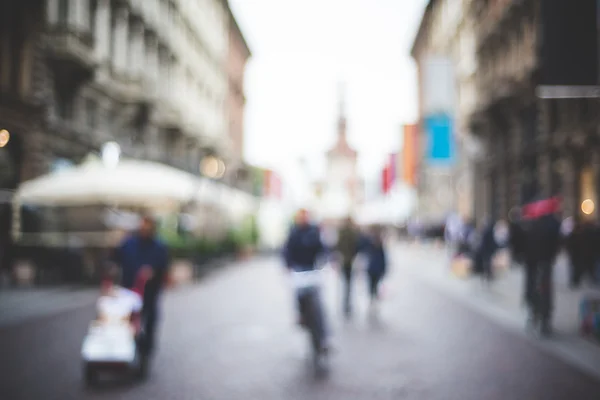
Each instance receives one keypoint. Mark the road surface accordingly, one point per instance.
(234, 337)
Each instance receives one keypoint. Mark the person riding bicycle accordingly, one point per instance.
(303, 247)
(542, 240)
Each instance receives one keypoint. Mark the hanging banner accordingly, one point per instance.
(393, 174)
(409, 155)
(440, 140)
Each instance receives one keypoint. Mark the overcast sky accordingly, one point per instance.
(301, 50)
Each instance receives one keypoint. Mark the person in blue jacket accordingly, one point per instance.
(304, 246)
(302, 252)
(377, 262)
(144, 252)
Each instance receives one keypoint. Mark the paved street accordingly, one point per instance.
(233, 337)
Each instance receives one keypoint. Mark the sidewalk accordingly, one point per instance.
(23, 304)
(503, 300)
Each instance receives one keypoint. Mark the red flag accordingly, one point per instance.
(273, 185)
(393, 169)
(386, 178)
(276, 186)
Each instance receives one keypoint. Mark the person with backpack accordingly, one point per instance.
(347, 248)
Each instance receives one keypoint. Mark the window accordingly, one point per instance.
(92, 15)
(552, 116)
(64, 108)
(91, 113)
(63, 11)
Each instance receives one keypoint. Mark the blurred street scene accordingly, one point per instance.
(171, 171)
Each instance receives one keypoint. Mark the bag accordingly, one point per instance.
(589, 315)
(461, 266)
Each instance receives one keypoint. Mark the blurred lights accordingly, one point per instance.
(111, 154)
(4, 138)
(212, 167)
(588, 207)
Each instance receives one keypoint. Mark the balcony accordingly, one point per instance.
(71, 52)
(496, 22)
(15, 109)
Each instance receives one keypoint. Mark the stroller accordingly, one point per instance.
(115, 339)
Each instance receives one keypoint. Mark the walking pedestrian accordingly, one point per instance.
(542, 244)
(347, 248)
(144, 252)
(377, 263)
(484, 254)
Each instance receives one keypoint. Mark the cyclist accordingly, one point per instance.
(302, 250)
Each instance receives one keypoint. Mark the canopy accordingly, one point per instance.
(131, 182)
(393, 208)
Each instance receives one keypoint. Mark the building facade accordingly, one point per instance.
(534, 146)
(507, 117)
(152, 75)
(238, 56)
(444, 52)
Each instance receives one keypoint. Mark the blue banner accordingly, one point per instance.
(440, 140)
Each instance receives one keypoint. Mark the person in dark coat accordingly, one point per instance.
(516, 240)
(466, 244)
(582, 249)
(486, 249)
(303, 249)
(574, 246)
(377, 263)
(542, 244)
(347, 247)
(144, 252)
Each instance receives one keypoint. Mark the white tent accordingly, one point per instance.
(131, 182)
(394, 208)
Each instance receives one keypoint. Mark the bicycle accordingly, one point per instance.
(307, 285)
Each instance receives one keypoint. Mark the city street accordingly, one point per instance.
(234, 337)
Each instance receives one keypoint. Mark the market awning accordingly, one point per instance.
(131, 182)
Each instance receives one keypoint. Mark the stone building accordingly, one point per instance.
(149, 74)
(506, 119)
(238, 55)
(152, 75)
(531, 146)
(446, 36)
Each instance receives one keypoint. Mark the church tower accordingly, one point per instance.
(341, 190)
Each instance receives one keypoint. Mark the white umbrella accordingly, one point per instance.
(131, 182)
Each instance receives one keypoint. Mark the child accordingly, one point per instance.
(118, 305)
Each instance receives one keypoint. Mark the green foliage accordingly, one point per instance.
(190, 247)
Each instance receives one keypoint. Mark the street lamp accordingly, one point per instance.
(4, 138)
(588, 206)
